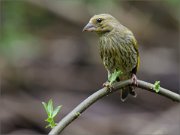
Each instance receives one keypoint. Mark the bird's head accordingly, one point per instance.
(101, 24)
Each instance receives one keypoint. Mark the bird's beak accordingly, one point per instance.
(89, 27)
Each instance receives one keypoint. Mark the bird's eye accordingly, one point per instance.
(99, 20)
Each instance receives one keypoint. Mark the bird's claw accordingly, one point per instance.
(134, 80)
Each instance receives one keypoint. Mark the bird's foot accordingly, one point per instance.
(108, 85)
(134, 80)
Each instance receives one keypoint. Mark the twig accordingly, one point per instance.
(76, 112)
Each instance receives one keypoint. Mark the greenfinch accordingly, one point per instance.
(118, 50)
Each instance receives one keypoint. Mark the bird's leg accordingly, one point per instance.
(134, 79)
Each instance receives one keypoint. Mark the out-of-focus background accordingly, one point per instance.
(45, 55)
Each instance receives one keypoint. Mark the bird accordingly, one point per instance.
(118, 49)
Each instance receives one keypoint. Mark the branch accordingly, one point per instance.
(76, 112)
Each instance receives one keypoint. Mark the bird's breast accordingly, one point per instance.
(116, 54)
(110, 54)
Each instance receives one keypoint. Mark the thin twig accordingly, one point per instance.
(76, 112)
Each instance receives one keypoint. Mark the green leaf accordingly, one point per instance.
(49, 119)
(45, 107)
(53, 124)
(55, 112)
(50, 107)
(114, 76)
(51, 113)
(48, 126)
(157, 86)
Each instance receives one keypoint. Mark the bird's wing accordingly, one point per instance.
(135, 44)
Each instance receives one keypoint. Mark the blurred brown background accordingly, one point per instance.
(44, 54)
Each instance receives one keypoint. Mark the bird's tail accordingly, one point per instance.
(127, 90)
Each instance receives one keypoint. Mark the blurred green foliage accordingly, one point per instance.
(17, 39)
(174, 2)
(14, 33)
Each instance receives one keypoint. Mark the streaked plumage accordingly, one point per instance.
(117, 47)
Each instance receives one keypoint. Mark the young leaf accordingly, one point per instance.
(53, 124)
(114, 76)
(119, 72)
(48, 126)
(49, 119)
(45, 107)
(50, 107)
(51, 113)
(56, 111)
(157, 86)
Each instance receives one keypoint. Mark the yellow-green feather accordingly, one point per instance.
(118, 53)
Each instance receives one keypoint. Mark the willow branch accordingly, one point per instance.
(76, 112)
